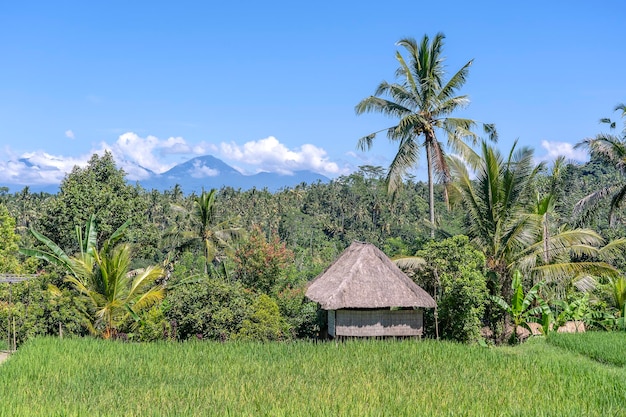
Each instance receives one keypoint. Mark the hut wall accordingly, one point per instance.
(331, 323)
(368, 323)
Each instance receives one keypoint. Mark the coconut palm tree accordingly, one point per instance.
(104, 276)
(496, 204)
(423, 103)
(510, 224)
(114, 291)
(204, 229)
(612, 150)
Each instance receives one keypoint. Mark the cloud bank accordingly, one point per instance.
(141, 157)
(272, 156)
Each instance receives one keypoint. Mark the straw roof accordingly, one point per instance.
(364, 277)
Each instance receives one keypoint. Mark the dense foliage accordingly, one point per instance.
(277, 242)
(455, 272)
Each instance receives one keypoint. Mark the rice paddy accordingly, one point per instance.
(73, 377)
(604, 347)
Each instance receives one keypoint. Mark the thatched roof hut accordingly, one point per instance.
(366, 294)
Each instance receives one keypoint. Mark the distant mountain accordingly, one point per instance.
(206, 172)
(203, 172)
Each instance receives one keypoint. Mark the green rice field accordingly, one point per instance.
(88, 377)
(604, 347)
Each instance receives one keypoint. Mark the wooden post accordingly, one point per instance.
(9, 315)
(436, 297)
(14, 340)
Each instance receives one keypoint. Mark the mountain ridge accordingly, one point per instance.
(197, 174)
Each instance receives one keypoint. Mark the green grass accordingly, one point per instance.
(88, 377)
(604, 347)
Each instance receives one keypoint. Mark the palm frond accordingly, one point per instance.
(454, 83)
(406, 157)
(54, 255)
(410, 262)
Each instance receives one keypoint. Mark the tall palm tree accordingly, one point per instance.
(205, 229)
(423, 103)
(513, 230)
(104, 276)
(496, 204)
(612, 150)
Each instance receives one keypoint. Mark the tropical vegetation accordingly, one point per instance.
(423, 102)
(513, 242)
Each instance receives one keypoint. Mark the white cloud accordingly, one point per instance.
(555, 149)
(139, 155)
(204, 148)
(270, 155)
(39, 167)
(131, 150)
(69, 134)
(202, 171)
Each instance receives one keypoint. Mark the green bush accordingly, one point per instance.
(210, 309)
(301, 315)
(152, 326)
(39, 309)
(457, 271)
(265, 322)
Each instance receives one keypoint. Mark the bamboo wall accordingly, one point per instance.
(371, 323)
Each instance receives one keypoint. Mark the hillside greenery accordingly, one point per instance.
(277, 243)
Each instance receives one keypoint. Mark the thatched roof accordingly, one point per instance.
(364, 277)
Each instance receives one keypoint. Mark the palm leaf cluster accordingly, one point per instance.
(104, 276)
(423, 103)
(610, 149)
(515, 233)
(203, 229)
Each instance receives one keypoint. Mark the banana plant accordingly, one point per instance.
(619, 294)
(523, 308)
(577, 311)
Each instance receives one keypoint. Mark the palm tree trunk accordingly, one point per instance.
(431, 189)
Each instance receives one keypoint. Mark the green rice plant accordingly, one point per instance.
(604, 347)
(72, 377)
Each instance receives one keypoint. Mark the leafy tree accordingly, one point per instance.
(9, 243)
(610, 149)
(455, 272)
(100, 189)
(263, 265)
(104, 276)
(423, 102)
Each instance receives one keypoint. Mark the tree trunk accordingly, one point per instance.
(431, 189)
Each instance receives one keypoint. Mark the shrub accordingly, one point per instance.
(265, 323)
(457, 270)
(211, 309)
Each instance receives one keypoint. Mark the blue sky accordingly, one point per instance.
(271, 86)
